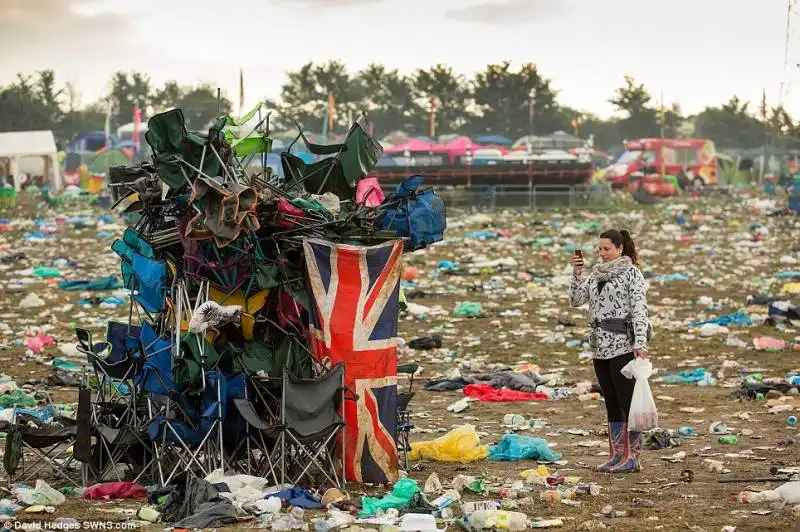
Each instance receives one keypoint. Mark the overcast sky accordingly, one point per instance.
(697, 52)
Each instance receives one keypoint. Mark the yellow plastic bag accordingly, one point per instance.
(461, 444)
(792, 288)
(534, 475)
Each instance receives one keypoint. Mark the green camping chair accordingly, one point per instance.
(343, 166)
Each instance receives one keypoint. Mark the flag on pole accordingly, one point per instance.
(107, 128)
(137, 125)
(432, 118)
(325, 121)
(576, 126)
(241, 91)
(662, 169)
(331, 112)
(353, 319)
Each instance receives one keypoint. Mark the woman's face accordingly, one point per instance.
(608, 251)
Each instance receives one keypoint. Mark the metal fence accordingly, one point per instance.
(538, 197)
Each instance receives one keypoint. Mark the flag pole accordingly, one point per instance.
(325, 120)
(241, 92)
(766, 133)
(662, 133)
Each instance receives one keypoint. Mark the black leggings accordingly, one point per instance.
(617, 389)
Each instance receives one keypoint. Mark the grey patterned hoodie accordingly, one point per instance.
(623, 296)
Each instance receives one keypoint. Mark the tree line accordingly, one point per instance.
(499, 100)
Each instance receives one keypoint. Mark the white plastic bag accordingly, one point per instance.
(644, 415)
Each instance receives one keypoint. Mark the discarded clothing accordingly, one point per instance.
(299, 497)
(523, 381)
(445, 385)
(115, 490)
(426, 342)
(209, 515)
(485, 392)
(186, 498)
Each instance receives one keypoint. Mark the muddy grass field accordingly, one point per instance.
(726, 251)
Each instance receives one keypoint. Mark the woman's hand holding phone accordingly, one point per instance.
(577, 261)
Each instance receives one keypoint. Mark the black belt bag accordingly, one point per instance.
(616, 326)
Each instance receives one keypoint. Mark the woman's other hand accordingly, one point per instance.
(577, 264)
(641, 353)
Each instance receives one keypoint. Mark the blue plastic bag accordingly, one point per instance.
(514, 447)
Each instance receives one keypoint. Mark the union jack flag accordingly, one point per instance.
(353, 319)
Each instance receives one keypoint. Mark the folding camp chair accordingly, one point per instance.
(404, 425)
(142, 272)
(311, 425)
(189, 435)
(340, 165)
(56, 444)
(117, 423)
(114, 366)
(260, 447)
(173, 421)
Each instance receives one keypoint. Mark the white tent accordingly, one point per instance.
(125, 132)
(17, 145)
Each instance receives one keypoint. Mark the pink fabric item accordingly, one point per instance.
(369, 192)
(115, 490)
(286, 207)
(38, 343)
(485, 392)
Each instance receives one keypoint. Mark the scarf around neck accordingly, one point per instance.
(605, 271)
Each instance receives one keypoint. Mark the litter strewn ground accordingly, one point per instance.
(494, 293)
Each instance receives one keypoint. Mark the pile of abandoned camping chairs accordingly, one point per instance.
(145, 426)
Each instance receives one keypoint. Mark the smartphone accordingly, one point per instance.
(579, 253)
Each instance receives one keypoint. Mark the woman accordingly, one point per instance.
(615, 291)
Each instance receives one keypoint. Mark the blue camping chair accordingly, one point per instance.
(118, 430)
(141, 270)
(193, 441)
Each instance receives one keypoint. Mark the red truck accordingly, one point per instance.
(692, 161)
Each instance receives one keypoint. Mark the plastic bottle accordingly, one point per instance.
(728, 439)
(547, 523)
(550, 496)
(148, 514)
(499, 519)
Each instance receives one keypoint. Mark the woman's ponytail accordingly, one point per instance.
(629, 247)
